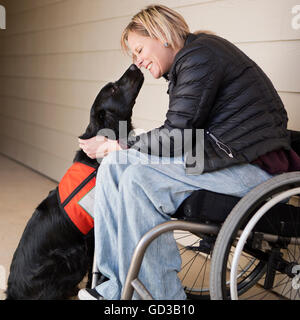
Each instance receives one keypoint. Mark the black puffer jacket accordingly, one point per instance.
(214, 86)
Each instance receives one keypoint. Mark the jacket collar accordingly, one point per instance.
(166, 76)
(190, 38)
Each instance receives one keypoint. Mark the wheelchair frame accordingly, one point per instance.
(276, 189)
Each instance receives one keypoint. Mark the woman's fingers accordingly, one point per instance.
(98, 147)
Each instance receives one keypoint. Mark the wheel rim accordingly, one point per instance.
(245, 234)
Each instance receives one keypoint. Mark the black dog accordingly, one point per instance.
(53, 256)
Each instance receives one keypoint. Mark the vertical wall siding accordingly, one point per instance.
(55, 55)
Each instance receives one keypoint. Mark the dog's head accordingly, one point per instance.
(114, 102)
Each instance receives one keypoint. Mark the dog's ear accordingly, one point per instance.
(101, 115)
(111, 121)
(93, 127)
(96, 121)
(88, 133)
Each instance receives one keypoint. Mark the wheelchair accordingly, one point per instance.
(233, 248)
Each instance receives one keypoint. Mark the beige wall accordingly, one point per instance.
(56, 54)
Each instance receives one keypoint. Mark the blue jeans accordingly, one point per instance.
(132, 197)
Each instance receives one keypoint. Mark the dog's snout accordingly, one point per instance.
(134, 70)
(133, 67)
(133, 76)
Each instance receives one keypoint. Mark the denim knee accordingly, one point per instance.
(110, 162)
(134, 174)
(104, 169)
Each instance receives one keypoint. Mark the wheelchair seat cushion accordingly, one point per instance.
(209, 207)
(203, 205)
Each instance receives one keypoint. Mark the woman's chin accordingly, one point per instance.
(155, 72)
(156, 75)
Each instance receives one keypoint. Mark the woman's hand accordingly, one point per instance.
(98, 147)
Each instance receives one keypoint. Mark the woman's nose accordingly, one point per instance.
(138, 61)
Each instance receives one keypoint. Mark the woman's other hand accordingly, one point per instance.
(98, 146)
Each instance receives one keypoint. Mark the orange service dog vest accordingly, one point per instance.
(79, 180)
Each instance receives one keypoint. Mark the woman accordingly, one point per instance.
(212, 86)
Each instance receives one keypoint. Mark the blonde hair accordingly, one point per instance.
(158, 22)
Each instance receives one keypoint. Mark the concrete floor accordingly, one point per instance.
(21, 190)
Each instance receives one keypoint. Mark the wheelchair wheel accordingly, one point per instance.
(195, 256)
(274, 240)
(195, 253)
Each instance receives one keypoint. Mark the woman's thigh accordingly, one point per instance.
(166, 181)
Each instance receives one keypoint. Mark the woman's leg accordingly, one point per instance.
(133, 198)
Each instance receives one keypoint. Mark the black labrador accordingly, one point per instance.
(53, 257)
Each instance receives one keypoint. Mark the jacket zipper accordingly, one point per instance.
(79, 187)
(221, 145)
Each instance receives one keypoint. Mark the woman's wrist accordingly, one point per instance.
(118, 145)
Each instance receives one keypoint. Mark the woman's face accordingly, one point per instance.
(151, 54)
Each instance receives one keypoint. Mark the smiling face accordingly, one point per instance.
(151, 54)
